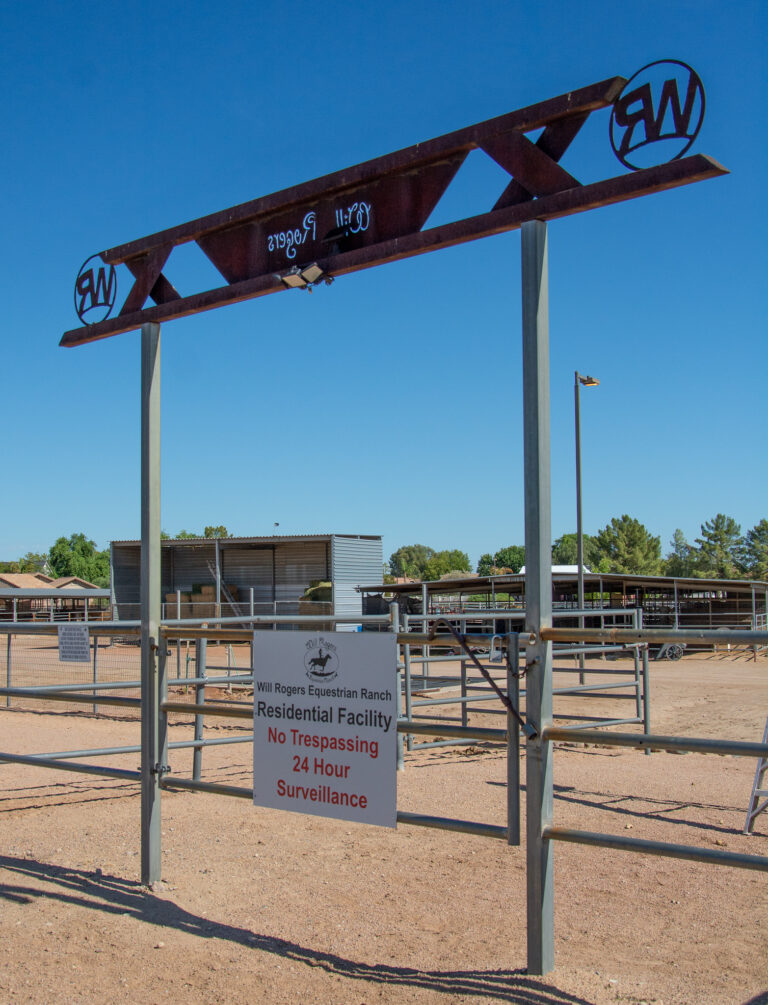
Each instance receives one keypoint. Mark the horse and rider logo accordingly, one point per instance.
(321, 660)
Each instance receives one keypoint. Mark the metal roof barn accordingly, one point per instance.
(228, 577)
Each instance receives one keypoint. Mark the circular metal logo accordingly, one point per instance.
(95, 290)
(658, 114)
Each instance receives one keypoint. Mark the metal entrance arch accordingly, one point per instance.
(354, 219)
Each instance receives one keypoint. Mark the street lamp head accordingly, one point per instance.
(588, 381)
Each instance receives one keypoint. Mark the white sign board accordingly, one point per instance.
(74, 644)
(325, 724)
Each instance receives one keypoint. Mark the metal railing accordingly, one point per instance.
(474, 692)
(114, 665)
(510, 735)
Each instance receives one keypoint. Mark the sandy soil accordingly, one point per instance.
(267, 906)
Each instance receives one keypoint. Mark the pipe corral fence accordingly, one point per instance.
(539, 190)
(436, 657)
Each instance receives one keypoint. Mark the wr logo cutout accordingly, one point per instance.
(658, 114)
(95, 290)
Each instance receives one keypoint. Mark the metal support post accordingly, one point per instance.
(646, 695)
(8, 662)
(408, 669)
(400, 739)
(151, 753)
(538, 594)
(425, 623)
(113, 612)
(95, 707)
(579, 526)
(178, 641)
(754, 620)
(639, 681)
(394, 616)
(513, 740)
(464, 713)
(218, 577)
(201, 662)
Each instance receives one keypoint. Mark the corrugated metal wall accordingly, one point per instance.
(297, 564)
(356, 561)
(193, 565)
(248, 567)
(126, 574)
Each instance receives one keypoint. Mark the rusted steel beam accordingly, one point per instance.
(554, 141)
(147, 269)
(550, 207)
(585, 99)
(535, 170)
(374, 212)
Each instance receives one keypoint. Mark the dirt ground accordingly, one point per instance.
(263, 905)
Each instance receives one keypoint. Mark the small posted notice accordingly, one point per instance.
(325, 724)
(74, 644)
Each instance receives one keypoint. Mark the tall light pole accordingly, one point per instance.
(578, 380)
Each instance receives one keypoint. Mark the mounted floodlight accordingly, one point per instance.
(313, 273)
(304, 279)
(293, 279)
(589, 381)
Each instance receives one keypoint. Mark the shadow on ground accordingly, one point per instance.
(108, 894)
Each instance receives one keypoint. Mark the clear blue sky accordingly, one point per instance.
(391, 402)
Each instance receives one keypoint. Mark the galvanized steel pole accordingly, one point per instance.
(579, 525)
(513, 739)
(201, 665)
(151, 752)
(394, 614)
(538, 593)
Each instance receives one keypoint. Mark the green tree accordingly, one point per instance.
(213, 532)
(756, 550)
(78, 556)
(512, 557)
(625, 546)
(443, 562)
(410, 560)
(31, 562)
(187, 535)
(680, 561)
(720, 549)
(565, 551)
(485, 564)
